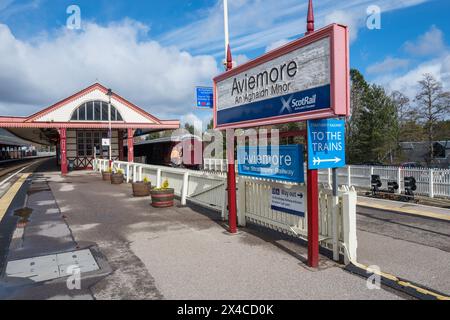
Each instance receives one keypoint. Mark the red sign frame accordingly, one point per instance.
(339, 78)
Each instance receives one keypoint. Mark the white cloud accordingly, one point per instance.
(429, 44)
(277, 44)
(10, 8)
(255, 24)
(351, 19)
(159, 79)
(438, 65)
(240, 59)
(200, 120)
(407, 83)
(388, 65)
(190, 118)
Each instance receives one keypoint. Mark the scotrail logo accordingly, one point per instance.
(292, 104)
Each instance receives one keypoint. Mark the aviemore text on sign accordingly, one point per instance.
(263, 81)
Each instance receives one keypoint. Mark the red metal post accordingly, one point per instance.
(313, 218)
(121, 145)
(310, 19)
(312, 184)
(231, 175)
(63, 150)
(231, 178)
(130, 144)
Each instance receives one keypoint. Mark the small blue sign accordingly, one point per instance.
(205, 97)
(326, 144)
(279, 163)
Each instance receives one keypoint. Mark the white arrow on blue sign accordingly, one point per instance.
(326, 144)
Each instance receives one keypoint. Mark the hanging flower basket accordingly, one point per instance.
(163, 197)
(141, 189)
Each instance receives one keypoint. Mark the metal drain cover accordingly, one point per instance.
(51, 267)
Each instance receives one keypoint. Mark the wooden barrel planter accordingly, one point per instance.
(106, 176)
(116, 178)
(162, 198)
(141, 189)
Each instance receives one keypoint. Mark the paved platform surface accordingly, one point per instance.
(406, 208)
(413, 247)
(179, 253)
(47, 235)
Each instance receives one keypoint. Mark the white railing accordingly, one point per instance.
(337, 215)
(430, 182)
(198, 187)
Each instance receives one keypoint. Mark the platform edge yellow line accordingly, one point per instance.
(8, 197)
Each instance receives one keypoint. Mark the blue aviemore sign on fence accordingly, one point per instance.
(283, 163)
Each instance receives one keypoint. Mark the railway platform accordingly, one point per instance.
(147, 253)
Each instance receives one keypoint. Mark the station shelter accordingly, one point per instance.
(79, 126)
(12, 147)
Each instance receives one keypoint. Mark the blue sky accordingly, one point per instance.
(155, 52)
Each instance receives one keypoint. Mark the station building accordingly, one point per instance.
(78, 124)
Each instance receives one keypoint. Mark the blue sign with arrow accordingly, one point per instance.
(326, 144)
(205, 97)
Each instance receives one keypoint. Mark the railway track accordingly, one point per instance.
(10, 168)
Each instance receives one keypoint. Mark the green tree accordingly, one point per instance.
(377, 126)
(372, 128)
(210, 125)
(189, 128)
(359, 88)
(443, 130)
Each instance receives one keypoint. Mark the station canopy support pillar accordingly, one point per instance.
(63, 150)
(130, 144)
(121, 158)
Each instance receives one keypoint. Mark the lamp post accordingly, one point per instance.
(109, 94)
(312, 183)
(231, 174)
(226, 29)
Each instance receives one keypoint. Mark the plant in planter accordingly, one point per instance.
(117, 177)
(106, 175)
(142, 189)
(162, 197)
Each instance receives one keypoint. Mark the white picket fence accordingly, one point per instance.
(430, 182)
(337, 215)
(218, 165)
(201, 188)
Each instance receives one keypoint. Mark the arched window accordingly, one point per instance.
(95, 111)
